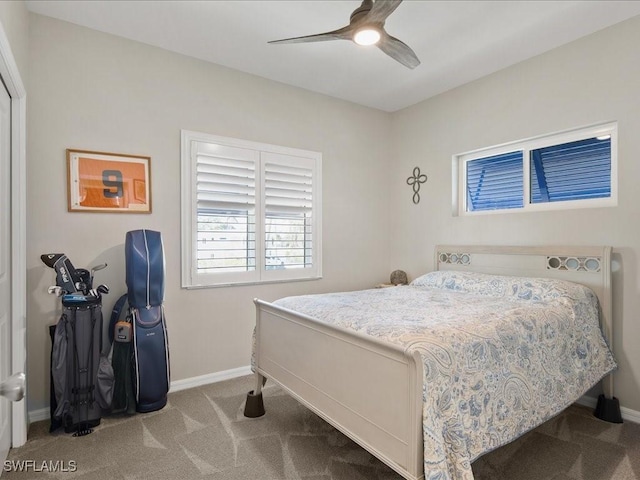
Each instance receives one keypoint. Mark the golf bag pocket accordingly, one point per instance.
(105, 383)
(151, 358)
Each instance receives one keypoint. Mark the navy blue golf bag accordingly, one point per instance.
(144, 255)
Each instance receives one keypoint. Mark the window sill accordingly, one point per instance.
(242, 284)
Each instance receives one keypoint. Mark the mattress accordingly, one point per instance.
(501, 354)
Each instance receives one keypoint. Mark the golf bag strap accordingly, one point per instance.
(59, 367)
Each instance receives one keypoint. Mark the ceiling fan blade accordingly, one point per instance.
(344, 33)
(381, 9)
(398, 50)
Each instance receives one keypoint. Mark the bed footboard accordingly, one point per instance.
(369, 390)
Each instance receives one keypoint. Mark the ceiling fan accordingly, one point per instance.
(366, 27)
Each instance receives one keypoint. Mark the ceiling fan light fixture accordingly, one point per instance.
(367, 36)
(366, 27)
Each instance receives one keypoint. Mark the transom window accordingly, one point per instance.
(251, 212)
(572, 169)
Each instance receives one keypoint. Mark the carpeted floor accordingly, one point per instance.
(202, 434)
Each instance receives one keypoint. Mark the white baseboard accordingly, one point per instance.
(627, 413)
(38, 415)
(176, 386)
(587, 401)
(185, 383)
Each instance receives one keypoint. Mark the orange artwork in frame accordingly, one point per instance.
(108, 182)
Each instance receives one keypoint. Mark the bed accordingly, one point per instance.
(430, 376)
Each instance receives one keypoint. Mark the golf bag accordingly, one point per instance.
(81, 378)
(144, 325)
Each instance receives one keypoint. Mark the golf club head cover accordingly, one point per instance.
(66, 274)
(144, 256)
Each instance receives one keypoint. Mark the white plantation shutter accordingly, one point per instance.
(251, 212)
(288, 205)
(226, 208)
(224, 183)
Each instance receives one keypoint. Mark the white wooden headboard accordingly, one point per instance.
(590, 266)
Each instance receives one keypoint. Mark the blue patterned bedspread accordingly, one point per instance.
(501, 354)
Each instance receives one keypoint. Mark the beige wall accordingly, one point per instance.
(15, 22)
(93, 91)
(592, 80)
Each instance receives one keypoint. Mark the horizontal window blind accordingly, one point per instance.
(495, 182)
(226, 200)
(571, 171)
(288, 216)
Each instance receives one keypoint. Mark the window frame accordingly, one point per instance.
(459, 164)
(191, 279)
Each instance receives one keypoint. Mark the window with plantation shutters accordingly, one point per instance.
(251, 212)
(573, 169)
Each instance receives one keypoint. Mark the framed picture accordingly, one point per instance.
(108, 182)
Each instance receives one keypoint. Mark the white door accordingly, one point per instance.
(5, 266)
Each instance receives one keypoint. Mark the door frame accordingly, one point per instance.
(12, 80)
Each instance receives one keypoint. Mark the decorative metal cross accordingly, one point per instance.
(415, 182)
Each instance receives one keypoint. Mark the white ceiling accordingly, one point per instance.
(456, 41)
